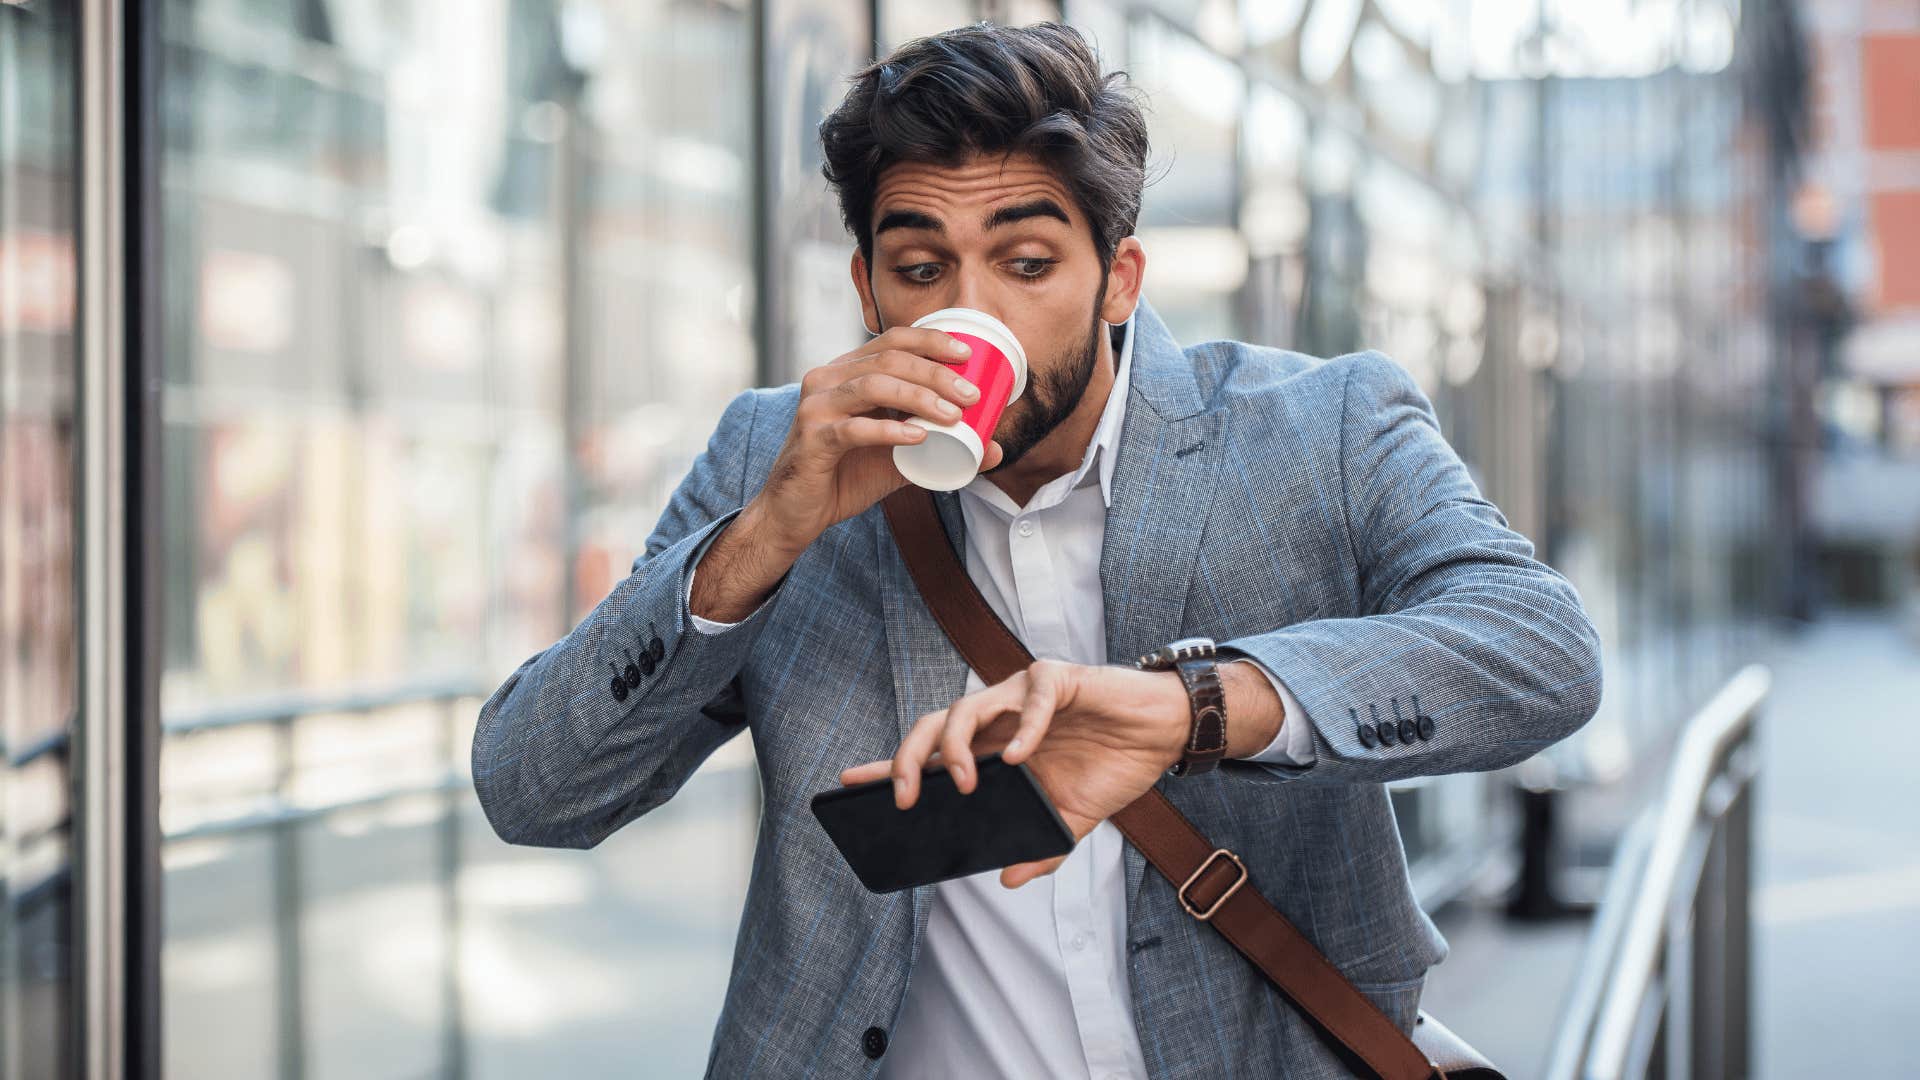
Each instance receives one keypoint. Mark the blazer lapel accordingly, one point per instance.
(1170, 453)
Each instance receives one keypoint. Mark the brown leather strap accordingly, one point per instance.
(1211, 882)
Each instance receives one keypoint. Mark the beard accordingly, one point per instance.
(1053, 392)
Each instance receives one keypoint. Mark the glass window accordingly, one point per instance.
(39, 605)
(903, 20)
(1197, 258)
(1405, 275)
(455, 294)
(1337, 244)
(813, 313)
(1274, 215)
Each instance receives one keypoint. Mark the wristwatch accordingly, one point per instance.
(1195, 658)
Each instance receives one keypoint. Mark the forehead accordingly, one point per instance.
(958, 193)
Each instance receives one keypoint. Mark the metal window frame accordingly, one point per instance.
(117, 739)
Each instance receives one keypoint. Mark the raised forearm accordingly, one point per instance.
(1254, 710)
(740, 568)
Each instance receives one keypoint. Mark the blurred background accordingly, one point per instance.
(350, 348)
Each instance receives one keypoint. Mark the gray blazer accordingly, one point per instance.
(1306, 512)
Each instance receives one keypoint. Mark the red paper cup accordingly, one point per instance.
(949, 457)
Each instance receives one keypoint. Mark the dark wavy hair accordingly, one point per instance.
(996, 90)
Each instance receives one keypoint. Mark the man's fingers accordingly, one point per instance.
(912, 754)
(956, 741)
(1036, 712)
(1020, 873)
(950, 732)
(860, 774)
(874, 770)
(968, 718)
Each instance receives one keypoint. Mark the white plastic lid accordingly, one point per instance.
(981, 324)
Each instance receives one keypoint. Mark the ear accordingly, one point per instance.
(863, 284)
(1124, 279)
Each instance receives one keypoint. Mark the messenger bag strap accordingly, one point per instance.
(1210, 881)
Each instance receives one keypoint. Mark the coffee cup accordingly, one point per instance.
(948, 458)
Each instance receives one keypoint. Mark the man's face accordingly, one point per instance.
(1006, 238)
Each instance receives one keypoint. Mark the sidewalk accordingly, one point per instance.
(1837, 912)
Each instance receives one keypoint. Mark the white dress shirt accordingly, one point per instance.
(1033, 981)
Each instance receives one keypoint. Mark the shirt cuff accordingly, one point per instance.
(1294, 744)
(708, 626)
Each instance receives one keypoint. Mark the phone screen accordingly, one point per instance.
(1007, 819)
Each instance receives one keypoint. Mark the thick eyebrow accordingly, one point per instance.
(1006, 215)
(1041, 207)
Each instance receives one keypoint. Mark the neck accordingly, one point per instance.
(1065, 447)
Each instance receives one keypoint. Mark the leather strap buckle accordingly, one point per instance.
(1203, 916)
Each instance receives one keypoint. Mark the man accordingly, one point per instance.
(1376, 619)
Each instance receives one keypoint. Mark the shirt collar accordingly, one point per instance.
(1106, 437)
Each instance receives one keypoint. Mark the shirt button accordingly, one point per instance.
(1026, 528)
(1079, 942)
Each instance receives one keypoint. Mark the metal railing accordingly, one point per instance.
(281, 818)
(1664, 990)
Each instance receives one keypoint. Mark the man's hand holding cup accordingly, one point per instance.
(916, 404)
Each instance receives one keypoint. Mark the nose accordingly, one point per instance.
(973, 289)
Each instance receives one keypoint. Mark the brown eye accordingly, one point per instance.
(919, 273)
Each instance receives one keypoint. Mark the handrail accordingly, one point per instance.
(280, 710)
(1603, 943)
(1678, 895)
(290, 705)
(280, 819)
(56, 741)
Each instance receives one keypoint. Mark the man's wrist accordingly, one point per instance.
(740, 569)
(1177, 719)
(758, 525)
(1255, 712)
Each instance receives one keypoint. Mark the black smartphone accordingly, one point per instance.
(1006, 819)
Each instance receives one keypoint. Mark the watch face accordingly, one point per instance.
(1167, 656)
(1198, 646)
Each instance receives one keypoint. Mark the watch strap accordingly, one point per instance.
(1207, 700)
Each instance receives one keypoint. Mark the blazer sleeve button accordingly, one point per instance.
(1422, 723)
(619, 688)
(1367, 738)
